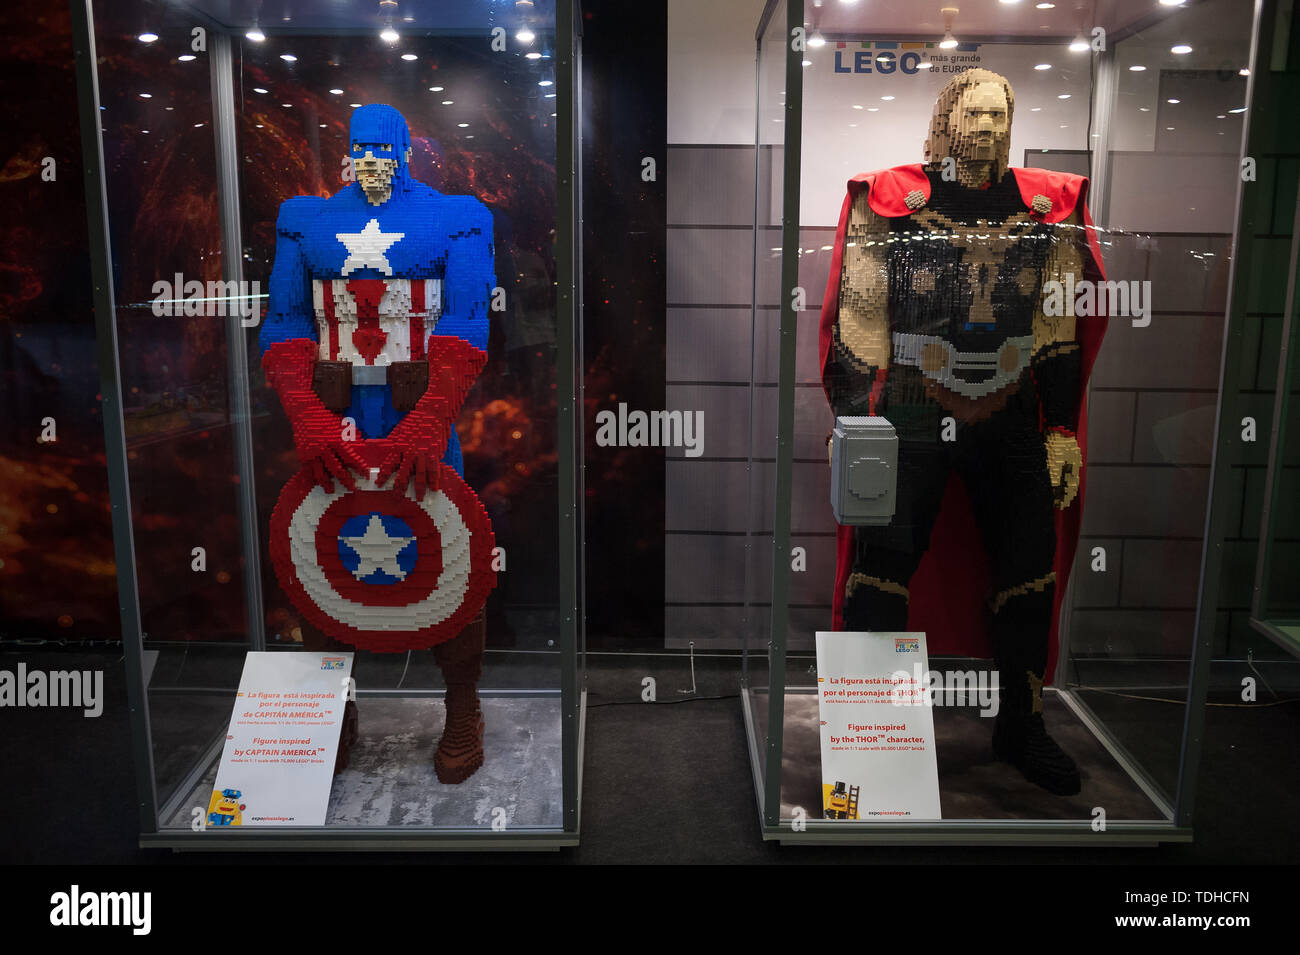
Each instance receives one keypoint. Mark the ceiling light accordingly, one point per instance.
(1137, 68)
(409, 56)
(545, 83)
(1239, 109)
(1243, 72)
(435, 89)
(948, 42)
(1079, 44)
(288, 58)
(447, 102)
(147, 37)
(1045, 6)
(525, 36)
(146, 96)
(1171, 3)
(463, 125)
(1063, 96)
(1173, 102)
(534, 55)
(1035, 109)
(817, 41)
(1043, 66)
(925, 65)
(1182, 49)
(258, 89)
(857, 106)
(389, 35)
(887, 98)
(186, 57)
(256, 35)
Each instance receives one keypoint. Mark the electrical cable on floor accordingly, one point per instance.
(640, 702)
(1161, 699)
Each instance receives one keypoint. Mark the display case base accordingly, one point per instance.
(985, 802)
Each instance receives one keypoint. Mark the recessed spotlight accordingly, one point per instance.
(1045, 6)
(545, 83)
(1063, 96)
(1239, 109)
(1180, 49)
(817, 41)
(857, 106)
(287, 105)
(1035, 109)
(409, 56)
(147, 37)
(323, 126)
(389, 35)
(146, 96)
(256, 35)
(925, 65)
(463, 125)
(948, 42)
(1222, 116)
(355, 105)
(288, 58)
(448, 102)
(258, 89)
(186, 57)
(887, 99)
(1137, 68)
(336, 92)
(1144, 109)
(534, 55)
(873, 109)
(548, 96)
(1079, 44)
(525, 36)
(1043, 66)
(1173, 102)
(1169, 128)
(435, 89)
(169, 108)
(1171, 3)
(1243, 72)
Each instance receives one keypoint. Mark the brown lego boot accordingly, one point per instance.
(460, 751)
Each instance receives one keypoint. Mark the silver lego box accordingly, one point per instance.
(864, 470)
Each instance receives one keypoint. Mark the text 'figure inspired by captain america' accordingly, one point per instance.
(374, 334)
(934, 320)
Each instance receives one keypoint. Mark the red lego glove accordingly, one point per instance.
(420, 439)
(317, 431)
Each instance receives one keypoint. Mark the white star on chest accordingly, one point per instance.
(366, 248)
(378, 550)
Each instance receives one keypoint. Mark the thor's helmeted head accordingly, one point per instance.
(379, 144)
(972, 122)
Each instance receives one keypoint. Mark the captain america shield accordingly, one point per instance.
(378, 569)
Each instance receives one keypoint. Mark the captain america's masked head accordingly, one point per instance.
(380, 148)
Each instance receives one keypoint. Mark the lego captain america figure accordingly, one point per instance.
(375, 330)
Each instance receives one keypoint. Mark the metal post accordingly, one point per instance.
(221, 65)
(110, 388)
(785, 414)
(566, 314)
(1227, 438)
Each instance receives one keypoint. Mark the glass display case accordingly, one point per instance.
(1276, 609)
(982, 459)
(335, 266)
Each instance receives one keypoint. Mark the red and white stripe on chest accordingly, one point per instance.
(375, 321)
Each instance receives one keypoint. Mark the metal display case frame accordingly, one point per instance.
(225, 23)
(767, 676)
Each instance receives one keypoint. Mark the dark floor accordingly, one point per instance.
(663, 783)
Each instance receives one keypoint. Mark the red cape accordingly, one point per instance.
(951, 585)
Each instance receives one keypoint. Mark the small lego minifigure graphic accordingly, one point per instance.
(840, 801)
(934, 319)
(375, 331)
(225, 808)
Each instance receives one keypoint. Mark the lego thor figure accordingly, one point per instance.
(934, 321)
(375, 330)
